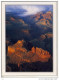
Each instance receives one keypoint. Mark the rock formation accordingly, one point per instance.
(35, 54)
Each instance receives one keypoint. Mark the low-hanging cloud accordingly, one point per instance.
(28, 10)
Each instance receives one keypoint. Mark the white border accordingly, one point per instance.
(31, 74)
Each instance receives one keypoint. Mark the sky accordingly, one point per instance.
(29, 9)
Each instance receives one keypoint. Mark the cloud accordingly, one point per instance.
(28, 10)
(14, 8)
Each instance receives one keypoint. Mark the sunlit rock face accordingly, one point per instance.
(12, 19)
(42, 22)
(33, 50)
(17, 21)
(47, 35)
(44, 55)
(19, 43)
(26, 32)
(11, 50)
(48, 15)
(19, 54)
(43, 19)
(20, 20)
(17, 47)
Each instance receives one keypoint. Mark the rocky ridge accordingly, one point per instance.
(19, 54)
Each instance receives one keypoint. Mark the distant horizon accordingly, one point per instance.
(28, 10)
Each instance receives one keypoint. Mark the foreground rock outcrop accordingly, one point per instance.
(18, 54)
